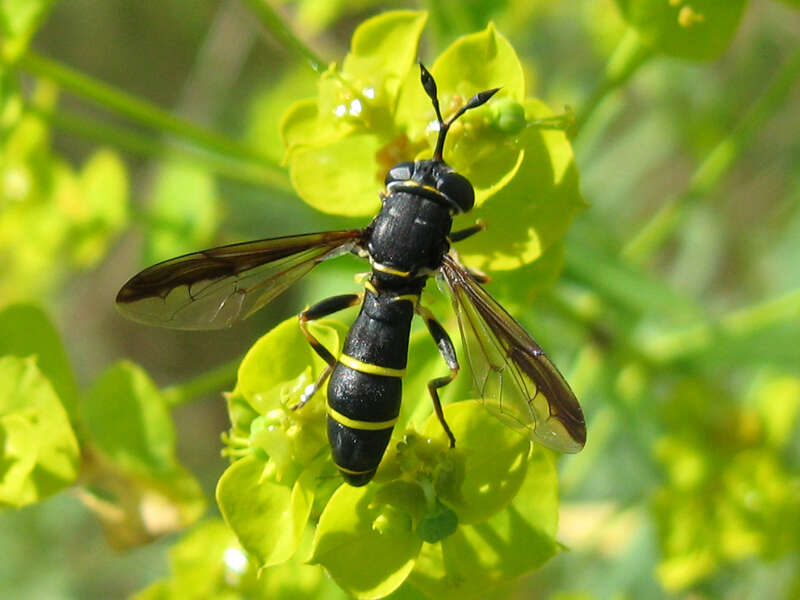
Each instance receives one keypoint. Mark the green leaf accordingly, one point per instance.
(39, 450)
(134, 483)
(208, 562)
(268, 518)
(340, 150)
(38, 194)
(382, 51)
(693, 29)
(494, 461)
(534, 210)
(268, 107)
(403, 495)
(205, 562)
(362, 96)
(513, 542)
(268, 364)
(29, 142)
(271, 378)
(472, 63)
(347, 168)
(300, 125)
(56, 219)
(474, 148)
(25, 330)
(240, 412)
(184, 211)
(519, 287)
(136, 509)
(333, 147)
(491, 59)
(19, 20)
(369, 549)
(128, 420)
(103, 209)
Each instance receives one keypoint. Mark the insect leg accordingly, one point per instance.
(319, 310)
(462, 234)
(448, 353)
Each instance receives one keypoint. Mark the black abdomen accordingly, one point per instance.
(365, 387)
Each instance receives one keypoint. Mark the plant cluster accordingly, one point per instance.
(691, 473)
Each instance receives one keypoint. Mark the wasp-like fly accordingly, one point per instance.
(407, 242)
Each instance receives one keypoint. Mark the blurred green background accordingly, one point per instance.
(676, 315)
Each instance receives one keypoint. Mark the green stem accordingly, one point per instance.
(141, 111)
(743, 322)
(272, 21)
(144, 145)
(215, 380)
(715, 166)
(626, 59)
(137, 143)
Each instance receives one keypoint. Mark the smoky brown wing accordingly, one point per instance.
(516, 380)
(215, 288)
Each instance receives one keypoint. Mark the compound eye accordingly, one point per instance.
(401, 172)
(458, 189)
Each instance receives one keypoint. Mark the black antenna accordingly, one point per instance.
(430, 88)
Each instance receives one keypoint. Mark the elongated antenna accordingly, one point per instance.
(430, 88)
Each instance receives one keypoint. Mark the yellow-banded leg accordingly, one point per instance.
(448, 353)
(319, 310)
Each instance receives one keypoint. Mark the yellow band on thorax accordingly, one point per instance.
(414, 183)
(387, 269)
(357, 424)
(370, 369)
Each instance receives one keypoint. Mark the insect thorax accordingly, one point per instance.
(409, 234)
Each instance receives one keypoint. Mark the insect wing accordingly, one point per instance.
(215, 288)
(517, 381)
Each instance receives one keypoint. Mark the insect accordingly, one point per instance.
(406, 243)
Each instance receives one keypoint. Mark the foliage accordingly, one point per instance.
(40, 451)
(128, 471)
(286, 477)
(364, 120)
(698, 30)
(674, 290)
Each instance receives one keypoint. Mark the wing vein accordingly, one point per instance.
(539, 400)
(196, 291)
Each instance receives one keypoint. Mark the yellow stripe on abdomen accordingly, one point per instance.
(359, 425)
(368, 368)
(351, 472)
